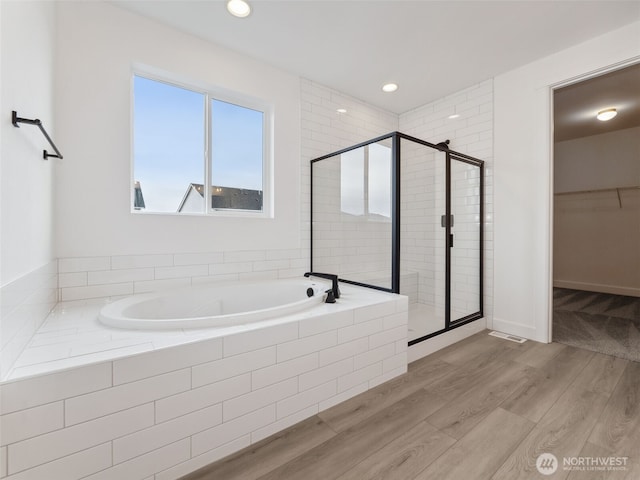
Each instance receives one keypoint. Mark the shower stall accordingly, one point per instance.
(403, 215)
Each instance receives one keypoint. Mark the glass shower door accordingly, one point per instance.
(465, 240)
(422, 239)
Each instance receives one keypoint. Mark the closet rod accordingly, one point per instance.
(16, 120)
(611, 189)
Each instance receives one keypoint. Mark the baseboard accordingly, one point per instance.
(517, 329)
(596, 287)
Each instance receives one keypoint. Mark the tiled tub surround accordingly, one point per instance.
(24, 306)
(169, 411)
(107, 276)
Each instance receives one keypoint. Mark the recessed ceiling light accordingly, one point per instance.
(607, 114)
(389, 87)
(341, 110)
(238, 8)
(455, 115)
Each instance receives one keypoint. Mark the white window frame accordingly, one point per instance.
(212, 93)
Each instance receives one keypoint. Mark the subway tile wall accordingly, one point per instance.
(95, 277)
(172, 411)
(471, 133)
(357, 248)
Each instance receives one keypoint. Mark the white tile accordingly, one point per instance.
(83, 264)
(201, 397)
(232, 366)
(238, 406)
(369, 312)
(79, 361)
(303, 346)
(166, 360)
(146, 465)
(228, 431)
(374, 355)
(281, 371)
(325, 374)
(398, 360)
(396, 320)
(96, 291)
(3, 462)
(385, 377)
(165, 433)
(50, 446)
(72, 467)
(283, 423)
(227, 268)
(178, 471)
(27, 393)
(298, 402)
(359, 330)
(244, 256)
(160, 285)
(356, 378)
(197, 258)
(31, 422)
(344, 350)
(72, 279)
(342, 396)
(181, 271)
(120, 262)
(97, 404)
(260, 338)
(381, 338)
(119, 276)
(313, 326)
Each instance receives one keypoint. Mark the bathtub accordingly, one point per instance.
(213, 305)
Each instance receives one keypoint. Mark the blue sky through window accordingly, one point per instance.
(169, 143)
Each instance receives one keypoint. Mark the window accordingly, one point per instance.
(365, 181)
(197, 152)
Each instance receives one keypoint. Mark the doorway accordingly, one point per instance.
(596, 211)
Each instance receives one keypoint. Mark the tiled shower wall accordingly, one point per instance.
(470, 133)
(349, 245)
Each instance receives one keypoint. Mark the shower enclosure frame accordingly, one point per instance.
(451, 155)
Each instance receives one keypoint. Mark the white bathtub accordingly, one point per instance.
(214, 305)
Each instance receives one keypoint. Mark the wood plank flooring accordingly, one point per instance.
(484, 408)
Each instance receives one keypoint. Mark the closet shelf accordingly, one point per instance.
(599, 190)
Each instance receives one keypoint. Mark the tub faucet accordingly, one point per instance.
(335, 290)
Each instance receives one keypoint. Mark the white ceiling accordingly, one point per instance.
(430, 48)
(576, 106)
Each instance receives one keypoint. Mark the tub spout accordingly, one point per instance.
(335, 290)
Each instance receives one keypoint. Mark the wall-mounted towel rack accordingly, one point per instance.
(16, 120)
(599, 190)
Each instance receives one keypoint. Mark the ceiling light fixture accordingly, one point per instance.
(341, 110)
(238, 8)
(389, 87)
(607, 114)
(455, 115)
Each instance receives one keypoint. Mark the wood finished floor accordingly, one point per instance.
(484, 408)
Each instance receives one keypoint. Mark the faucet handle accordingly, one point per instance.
(330, 296)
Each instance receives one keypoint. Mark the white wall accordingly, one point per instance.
(523, 174)
(28, 41)
(596, 241)
(97, 46)
(27, 268)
